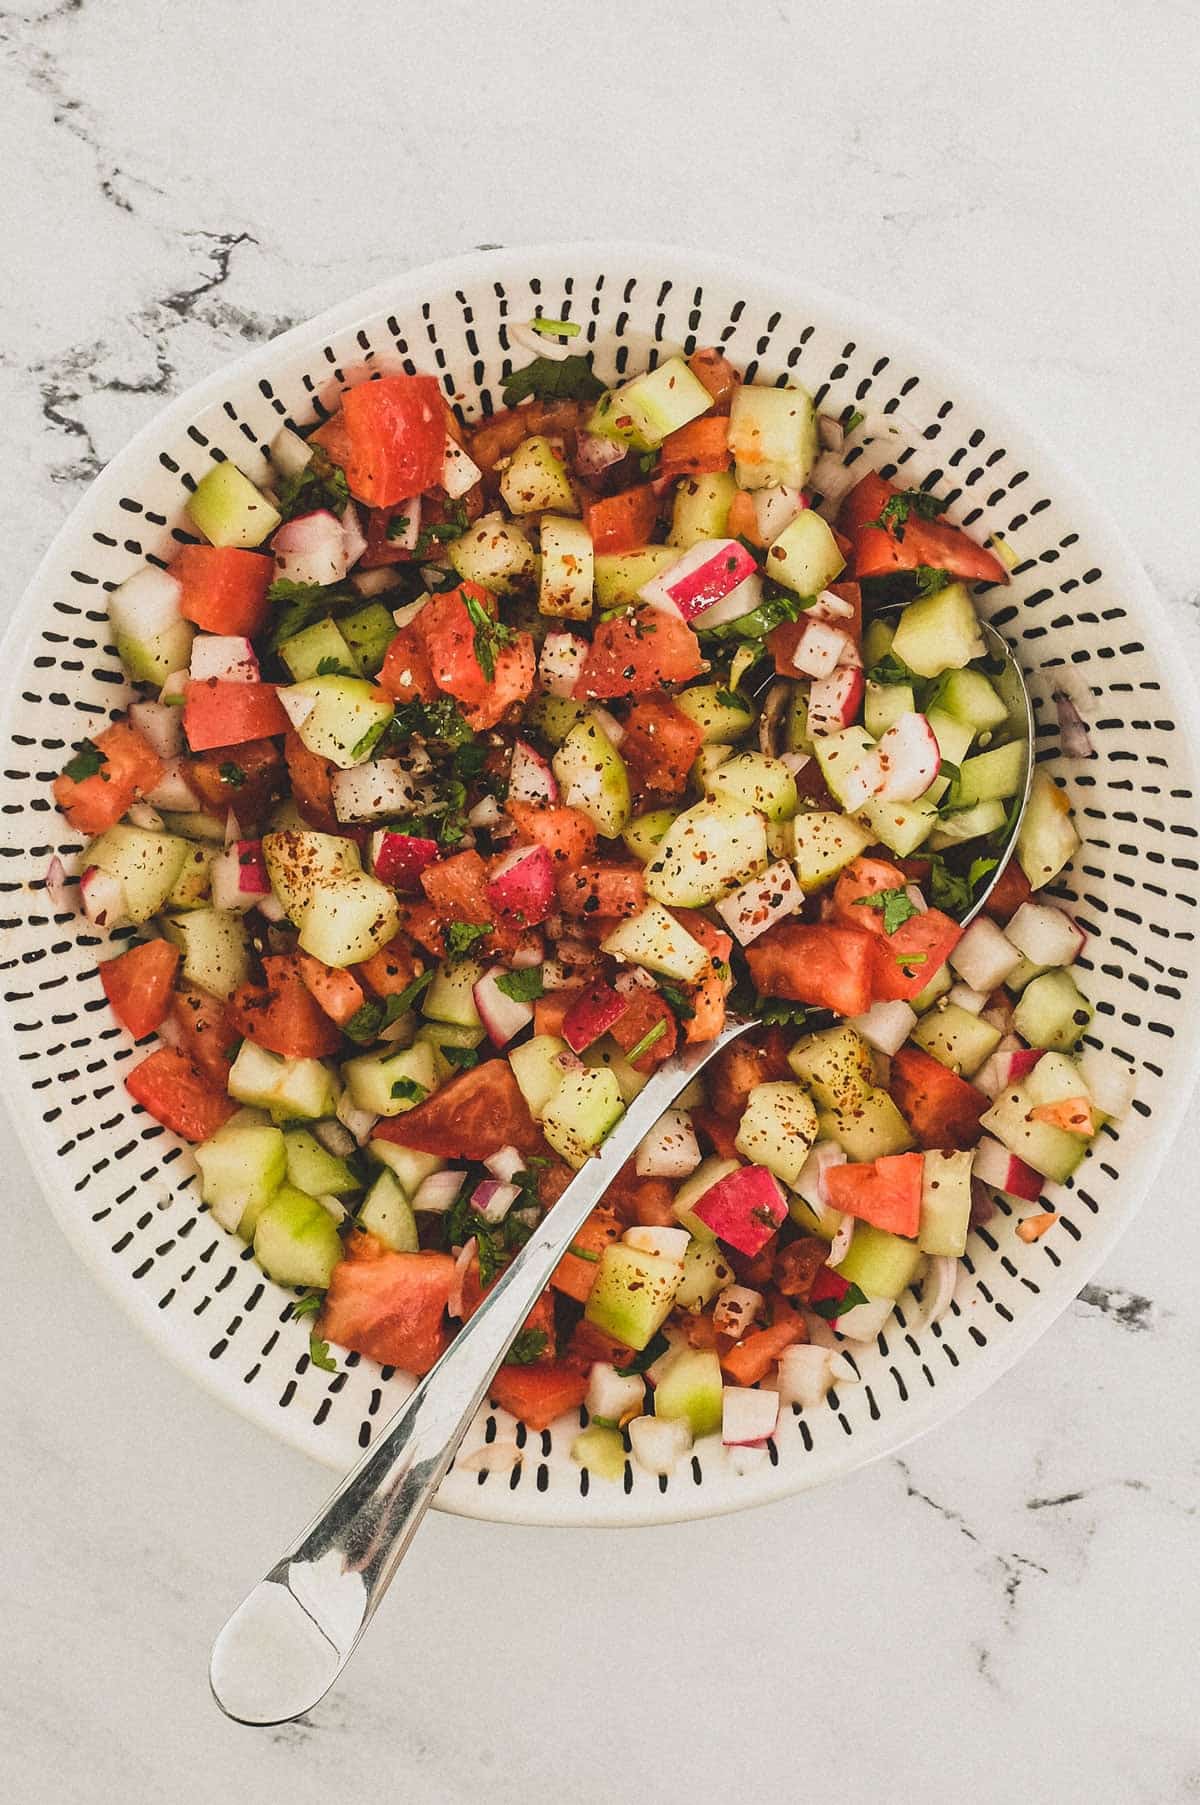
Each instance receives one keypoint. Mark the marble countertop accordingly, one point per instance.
(1008, 1610)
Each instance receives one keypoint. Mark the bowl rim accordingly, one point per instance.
(1124, 571)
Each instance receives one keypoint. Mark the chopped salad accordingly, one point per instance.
(476, 768)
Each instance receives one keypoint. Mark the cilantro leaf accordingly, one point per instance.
(461, 1058)
(441, 532)
(407, 1090)
(462, 935)
(909, 504)
(86, 763)
(333, 667)
(832, 1307)
(729, 698)
(441, 720)
(300, 604)
(948, 890)
(571, 379)
(677, 1000)
(320, 485)
(369, 1020)
(774, 609)
(232, 774)
(529, 1346)
(370, 738)
(930, 580)
(896, 907)
(306, 1306)
(774, 1012)
(398, 526)
(980, 868)
(555, 328)
(653, 1350)
(522, 986)
(890, 670)
(855, 421)
(318, 1353)
(490, 635)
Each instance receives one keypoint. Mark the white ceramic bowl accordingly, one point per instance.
(122, 1187)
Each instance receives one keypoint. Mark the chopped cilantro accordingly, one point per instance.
(300, 604)
(407, 1090)
(889, 670)
(461, 1058)
(555, 328)
(522, 986)
(896, 907)
(729, 698)
(441, 720)
(529, 1346)
(855, 421)
(307, 1306)
(571, 379)
(398, 525)
(584, 1253)
(232, 774)
(832, 1307)
(649, 1039)
(930, 580)
(333, 667)
(86, 763)
(677, 1000)
(320, 485)
(648, 462)
(980, 868)
(905, 960)
(441, 532)
(490, 636)
(909, 504)
(462, 935)
(775, 608)
(654, 1349)
(774, 1012)
(318, 1353)
(370, 1019)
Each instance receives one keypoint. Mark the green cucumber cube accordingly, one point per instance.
(593, 778)
(991, 776)
(229, 510)
(568, 569)
(945, 1203)
(301, 861)
(241, 1168)
(755, 781)
(408, 1166)
(956, 1038)
(835, 1065)
(312, 1168)
(721, 716)
(148, 865)
(973, 701)
(710, 850)
(580, 1113)
(778, 1126)
(322, 643)
(773, 437)
(601, 1450)
(387, 1214)
(1053, 1012)
(654, 404)
(881, 1265)
(296, 1241)
(689, 1389)
(633, 1293)
(939, 632)
(883, 706)
(619, 576)
(538, 1067)
(368, 632)
(823, 844)
(349, 919)
(215, 946)
(450, 999)
(496, 553)
(654, 940)
(706, 1271)
(390, 1084)
(701, 509)
(535, 480)
(1053, 1152)
(870, 1127)
(645, 833)
(805, 557)
(347, 718)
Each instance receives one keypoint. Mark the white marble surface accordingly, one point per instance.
(1008, 1612)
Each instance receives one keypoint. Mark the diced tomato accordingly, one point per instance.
(701, 1332)
(392, 970)
(422, 923)
(714, 370)
(406, 675)
(752, 1358)
(537, 1395)
(622, 523)
(471, 1117)
(219, 713)
(659, 748)
(885, 1192)
(589, 1344)
(706, 998)
(457, 887)
(636, 653)
(743, 521)
(610, 891)
(828, 967)
(697, 448)
(828, 1284)
(539, 1321)
(906, 960)
(879, 551)
(206, 1034)
(1012, 889)
(130, 767)
(567, 833)
(311, 779)
(138, 985)
(797, 1266)
(550, 1010)
(224, 587)
(449, 636)
(516, 668)
(644, 1201)
(553, 1176)
(248, 788)
(178, 1095)
(389, 1306)
(1074, 1115)
(941, 1108)
(737, 1070)
(282, 1014)
(719, 1132)
(334, 440)
(575, 1274)
(864, 877)
(380, 550)
(338, 993)
(645, 1010)
(396, 438)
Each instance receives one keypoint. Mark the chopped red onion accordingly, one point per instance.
(56, 885)
(335, 1138)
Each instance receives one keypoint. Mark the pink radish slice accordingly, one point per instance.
(237, 885)
(900, 768)
(747, 1416)
(399, 859)
(228, 658)
(834, 701)
(530, 778)
(502, 1016)
(740, 601)
(103, 898)
(311, 549)
(705, 574)
(522, 885)
(995, 1165)
(745, 1208)
(820, 648)
(56, 885)
(529, 950)
(560, 662)
(592, 1014)
(1004, 1068)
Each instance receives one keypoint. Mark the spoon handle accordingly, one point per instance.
(290, 1638)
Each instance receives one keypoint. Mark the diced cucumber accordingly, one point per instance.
(215, 947)
(388, 1215)
(655, 940)
(1054, 1079)
(593, 779)
(496, 553)
(191, 888)
(705, 1272)
(409, 1167)
(633, 1293)
(824, 844)
(450, 999)
(1023, 975)
(838, 754)
(689, 1389)
(229, 510)
(755, 781)
(645, 833)
(701, 509)
(292, 1089)
(151, 636)
(654, 404)
(296, 1241)
(940, 632)
(956, 1038)
(901, 826)
(805, 558)
(349, 919)
(721, 717)
(620, 575)
(195, 825)
(312, 1168)
(300, 861)
(952, 735)
(555, 716)
(799, 739)
(991, 776)
(388, 1084)
(602, 1451)
(973, 823)
(443, 1035)
(710, 850)
(945, 1203)
(241, 1168)
(539, 1070)
(941, 981)
(580, 1113)
(778, 1126)
(535, 479)
(319, 644)
(972, 700)
(707, 1174)
(1052, 1151)
(568, 569)
(881, 1265)
(884, 704)
(708, 759)
(368, 632)
(148, 864)
(346, 720)
(835, 1065)
(1047, 839)
(773, 438)
(869, 1127)
(605, 1056)
(877, 640)
(1053, 1012)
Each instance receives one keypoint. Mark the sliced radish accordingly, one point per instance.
(811, 1183)
(359, 1122)
(1110, 1084)
(143, 814)
(530, 776)
(1007, 1065)
(459, 473)
(761, 902)
(354, 540)
(658, 1443)
(505, 1163)
(1046, 935)
(774, 509)
(57, 888)
(103, 898)
(436, 1193)
(745, 1208)
(995, 1165)
(747, 1416)
(900, 768)
(399, 859)
(161, 727)
(311, 549)
(705, 574)
(740, 601)
(522, 885)
(560, 662)
(736, 1310)
(668, 1243)
(614, 1395)
(984, 956)
(886, 1026)
(367, 792)
(502, 1016)
(834, 701)
(404, 529)
(492, 1199)
(670, 1150)
(239, 876)
(592, 1014)
(805, 1375)
(228, 658)
(820, 648)
(834, 609)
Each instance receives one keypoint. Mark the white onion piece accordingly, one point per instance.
(669, 1243)
(354, 540)
(498, 1456)
(529, 951)
(795, 761)
(335, 1138)
(913, 893)
(748, 1415)
(658, 1443)
(160, 726)
(358, 1122)
(670, 1150)
(311, 549)
(608, 724)
(555, 976)
(485, 813)
(1074, 738)
(736, 1309)
(612, 1396)
(459, 472)
(103, 898)
(594, 454)
(271, 908)
(820, 1332)
(296, 705)
(937, 1292)
(805, 1374)
(886, 1026)
(984, 956)
(1110, 1083)
(289, 453)
(225, 657)
(840, 1246)
(973, 1001)
(141, 814)
(436, 1193)
(830, 432)
(462, 1265)
(374, 792)
(505, 1163)
(864, 1321)
(492, 1199)
(173, 792)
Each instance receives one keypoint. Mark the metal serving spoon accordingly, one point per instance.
(289, 1640)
